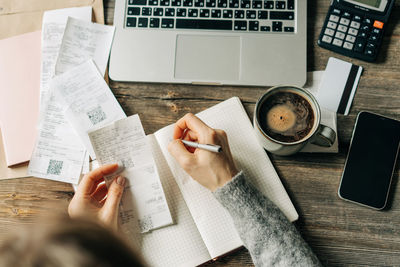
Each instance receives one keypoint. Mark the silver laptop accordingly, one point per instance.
(235, 42)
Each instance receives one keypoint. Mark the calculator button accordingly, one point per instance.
(332, 25)
(367, 21)
(377, 24)
(373, 38)
(348, 45)
(355, 24)
(369, 52)
(365, 27)
(371, 45)
(340, 35)
(350, 38)
(344, 21)
(334, 18)
(359, 46)
(329, 32)
(325, 38)
(336, 11)
(342, 28)
(357, 18)
(337, 42)
(353, 31)
(376, 31)
(346, 15)
(363, 34)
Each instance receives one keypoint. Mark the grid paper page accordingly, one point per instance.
(212, 220)
(179, 244)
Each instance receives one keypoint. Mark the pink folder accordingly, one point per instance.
(19, 95)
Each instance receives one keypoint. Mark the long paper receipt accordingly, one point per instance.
(143, 204)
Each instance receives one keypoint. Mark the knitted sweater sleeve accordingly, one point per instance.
(265, 231)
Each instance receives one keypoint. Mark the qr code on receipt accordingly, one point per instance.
(96, 115)
(145, 224)
(55, 167)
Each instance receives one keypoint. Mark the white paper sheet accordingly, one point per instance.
(58, 153)
(84, 40)
(143, 203)
(87, 101)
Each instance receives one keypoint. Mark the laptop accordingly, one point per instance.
(221, 42)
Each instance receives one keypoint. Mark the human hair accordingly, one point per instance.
(67, 242)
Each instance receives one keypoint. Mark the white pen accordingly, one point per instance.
(208, 147)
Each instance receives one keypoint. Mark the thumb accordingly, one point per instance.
(111, 204)
(178, 150)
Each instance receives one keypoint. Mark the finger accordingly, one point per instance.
(89, 181)
(189, 121)
(100, 193)
(190, 136)
(113, 199)
(180, 153)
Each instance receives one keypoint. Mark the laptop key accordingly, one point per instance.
(176, 2)
(193, 12)
(245, 3)
(239, 14)
(233, 3)
(158, 11)
(164, 2)
(199, 3)
(290, 4)
(280, 4)
(134, 11)
(188, 3)
(154, 22)
(204, 13)
(143, 22)
(216, 13)
(253, 25)
(240, 25)
(211, 3)
(227, 14)
(257, 4)
(250, 14)
(262, 14)
(281, 15)
(181, 12)
(167, 23)
(204, 24)
(137, 2)
(153, 2)
(131, 22)
(276, 26)
(170, 12)
(222, 3)
(288, 29)
(146, 11)
(268, 4)
(265, 28)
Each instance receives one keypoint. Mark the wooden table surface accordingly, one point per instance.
(340, 233)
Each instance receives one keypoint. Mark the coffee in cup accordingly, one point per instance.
(286, 118)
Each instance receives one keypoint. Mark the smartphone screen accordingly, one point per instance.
(371, 160)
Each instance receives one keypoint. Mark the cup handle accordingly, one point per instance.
(325, 136)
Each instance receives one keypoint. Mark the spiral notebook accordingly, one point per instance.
(203, 229)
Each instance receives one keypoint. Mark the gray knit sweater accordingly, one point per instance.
(265, 231)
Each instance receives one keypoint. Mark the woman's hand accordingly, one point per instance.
(210, 169)
(94, 199)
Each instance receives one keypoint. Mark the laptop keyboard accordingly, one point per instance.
(228, 15)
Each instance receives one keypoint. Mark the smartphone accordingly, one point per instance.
(370, 161)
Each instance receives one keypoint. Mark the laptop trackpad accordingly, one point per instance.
(210, 58)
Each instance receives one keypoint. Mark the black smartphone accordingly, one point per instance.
(371, 160)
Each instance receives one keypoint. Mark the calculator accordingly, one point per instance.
(354, 28)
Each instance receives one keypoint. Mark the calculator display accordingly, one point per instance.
(378, 5)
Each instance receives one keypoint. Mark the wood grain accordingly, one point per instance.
(340, 233)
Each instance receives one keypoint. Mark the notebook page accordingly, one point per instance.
(179, 244)
(212, 220)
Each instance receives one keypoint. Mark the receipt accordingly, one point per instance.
(144, 200)
(86, 100)
(84, 40)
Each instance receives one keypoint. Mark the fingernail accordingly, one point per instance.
(121, 180)
(121, 167)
